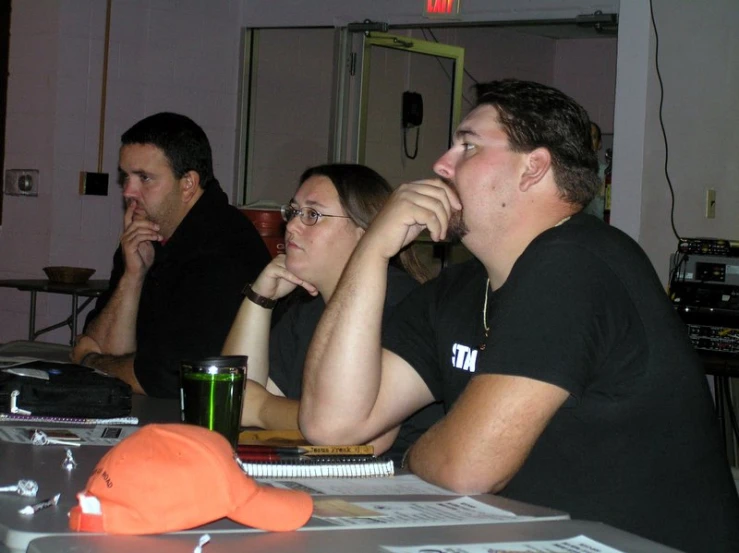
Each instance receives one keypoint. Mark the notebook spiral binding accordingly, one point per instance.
(321, 467)
(15, 417)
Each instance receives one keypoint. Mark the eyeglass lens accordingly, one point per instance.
(308, 215)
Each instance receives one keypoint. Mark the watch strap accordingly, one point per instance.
(258, 299)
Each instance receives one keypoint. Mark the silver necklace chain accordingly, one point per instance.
(485, 326)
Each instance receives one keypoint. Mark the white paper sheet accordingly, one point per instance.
(404, 514)
(578, 544)
(404, 484)
(11, 361)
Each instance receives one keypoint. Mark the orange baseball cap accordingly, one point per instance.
(172, 477)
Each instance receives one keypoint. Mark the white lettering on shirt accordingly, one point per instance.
(464, 357)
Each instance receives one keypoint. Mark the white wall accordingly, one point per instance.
(296, 13)
(25, 238)
(698, 60)
(586, 70)
(176, 55)
(293, 100)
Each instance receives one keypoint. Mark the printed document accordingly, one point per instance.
(578, 544)
(404, 514)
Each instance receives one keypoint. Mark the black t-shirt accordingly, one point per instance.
(291, 336)
(192, 292)
(636, 445)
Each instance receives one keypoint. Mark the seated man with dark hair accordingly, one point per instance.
(184, 256)
(568, 379)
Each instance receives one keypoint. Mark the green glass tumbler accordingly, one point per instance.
(212, 392)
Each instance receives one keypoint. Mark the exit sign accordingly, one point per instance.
(441, 8)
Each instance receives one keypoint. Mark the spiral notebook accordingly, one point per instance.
(320, 467)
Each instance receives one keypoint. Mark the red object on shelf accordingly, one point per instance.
(270, 225)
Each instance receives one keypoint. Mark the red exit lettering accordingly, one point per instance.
(441, 7)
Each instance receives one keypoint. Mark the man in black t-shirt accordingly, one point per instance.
(185, 254)
(568, 379)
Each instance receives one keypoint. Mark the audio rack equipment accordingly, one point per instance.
(714, 338)
(708, 246)
(704, 289)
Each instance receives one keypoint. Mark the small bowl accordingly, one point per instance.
(68, 275)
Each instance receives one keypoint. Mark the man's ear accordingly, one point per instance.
(190, 185)
(538, 163)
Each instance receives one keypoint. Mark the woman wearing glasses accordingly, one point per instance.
(332, 207)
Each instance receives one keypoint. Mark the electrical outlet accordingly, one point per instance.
(710, 203)
(21, 182)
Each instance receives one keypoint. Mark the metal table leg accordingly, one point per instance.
(32, 318)
(73, 323)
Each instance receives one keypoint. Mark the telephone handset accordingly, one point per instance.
(412, 109)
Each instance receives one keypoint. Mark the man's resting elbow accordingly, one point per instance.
(464, 480)
(323, 430)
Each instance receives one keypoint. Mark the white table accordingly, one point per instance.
(43, 464)
(350, 541)
(89, 290)
(47, 530)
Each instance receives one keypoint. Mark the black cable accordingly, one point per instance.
(463, 69)
(676, 270)
(683, 260)
(405, 143)
(661, 121)
(448, 76)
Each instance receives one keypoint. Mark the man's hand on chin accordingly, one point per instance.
(136, 241)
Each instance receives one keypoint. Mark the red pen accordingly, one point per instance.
(270, 457)
(280, 450)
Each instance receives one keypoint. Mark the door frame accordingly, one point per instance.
(410, 45)
(350, 96)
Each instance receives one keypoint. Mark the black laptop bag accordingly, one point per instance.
(70, 391)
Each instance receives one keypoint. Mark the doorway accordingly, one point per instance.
(410, 104)
(317, 95)
(293, 76)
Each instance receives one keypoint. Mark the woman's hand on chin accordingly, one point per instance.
(276, 281)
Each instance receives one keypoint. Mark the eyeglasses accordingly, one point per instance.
(308, 215)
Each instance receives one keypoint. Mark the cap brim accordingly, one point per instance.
(275, 510)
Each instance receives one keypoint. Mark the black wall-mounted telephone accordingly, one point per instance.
(412, 109)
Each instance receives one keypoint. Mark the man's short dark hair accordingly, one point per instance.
(182, 140)
(534, 116)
